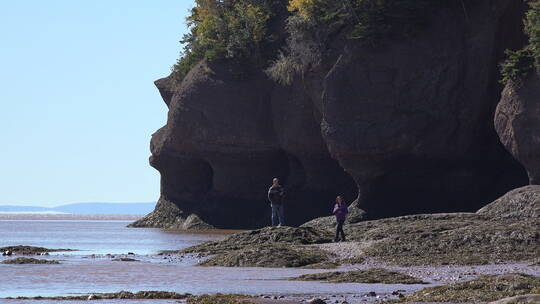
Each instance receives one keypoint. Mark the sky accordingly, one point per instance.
(77, 100)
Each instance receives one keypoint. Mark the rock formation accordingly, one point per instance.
(404, 127)
(517, 120)
(519, 204)
(410, 121)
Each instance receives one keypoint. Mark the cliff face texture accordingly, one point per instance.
(404, 127)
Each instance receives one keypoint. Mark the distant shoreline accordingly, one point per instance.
(68, 216)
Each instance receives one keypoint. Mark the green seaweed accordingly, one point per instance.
(21, 261)
(482, 289)
(374, 275)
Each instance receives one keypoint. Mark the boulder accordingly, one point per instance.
(517, 121)
(168, 216)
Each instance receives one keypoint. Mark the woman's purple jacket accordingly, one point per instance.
(340, 211)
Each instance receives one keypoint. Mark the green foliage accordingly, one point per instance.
(315, 22)
(303, 50)
(519, 64)
(370, 19)
(532, 27)
(225, 29)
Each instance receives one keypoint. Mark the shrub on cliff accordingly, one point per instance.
(370, 19)
(315, 22)
(521, 62)
(222, 29)
(518, 64)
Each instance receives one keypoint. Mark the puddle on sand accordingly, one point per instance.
(89, 276)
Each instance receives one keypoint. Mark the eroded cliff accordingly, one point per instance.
(402, 126)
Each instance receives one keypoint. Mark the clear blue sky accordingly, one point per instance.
(78, 104)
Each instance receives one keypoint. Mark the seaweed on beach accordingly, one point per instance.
(270, 255)
(453, 239)
(428, 239)
(220, 299)
(30, 250)
(322, 265)
(21, 261)
(374, 275)
(482, 289)
(116, 295)
(123, 259)
(154, 295)
(264, 236)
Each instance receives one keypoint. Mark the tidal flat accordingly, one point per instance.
(263, 266)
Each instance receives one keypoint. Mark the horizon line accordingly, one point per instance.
(72, 203)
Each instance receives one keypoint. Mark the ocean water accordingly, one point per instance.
(96, 236)
(92, 269)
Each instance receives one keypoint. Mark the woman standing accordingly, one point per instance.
(340, 211)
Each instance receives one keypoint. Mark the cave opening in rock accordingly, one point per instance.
(313, 184)
(421, 186)
(181, 176)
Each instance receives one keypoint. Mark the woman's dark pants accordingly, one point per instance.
(339, 230)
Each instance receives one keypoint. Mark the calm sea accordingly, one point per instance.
(96, 236)
(92, 268)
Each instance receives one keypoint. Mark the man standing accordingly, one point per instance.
(275, 196)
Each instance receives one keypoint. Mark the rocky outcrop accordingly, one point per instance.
(403, 128)
(268, 255)
(416, 240)
(517, 121)
(355, 215)
(167, 215)
(227, 137)
(267, 247)
(263, 237)
(518, 204)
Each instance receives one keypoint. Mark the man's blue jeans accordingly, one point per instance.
(277, 214)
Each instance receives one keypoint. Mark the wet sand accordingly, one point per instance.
(99, 273)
